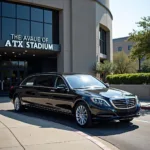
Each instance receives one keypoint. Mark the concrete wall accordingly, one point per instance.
(83, 35)
(104, 19)
(142, 91)
(65, 36)
(56, 4)
(104, 2)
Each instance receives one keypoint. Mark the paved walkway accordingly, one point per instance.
(21, 132)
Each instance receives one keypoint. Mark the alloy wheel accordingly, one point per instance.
(17, 104)
(81, 115)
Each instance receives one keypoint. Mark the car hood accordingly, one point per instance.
(107, 93)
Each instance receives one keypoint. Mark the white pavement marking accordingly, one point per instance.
(98, 143)
(142, 121)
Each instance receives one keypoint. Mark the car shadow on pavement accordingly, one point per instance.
(32, 116)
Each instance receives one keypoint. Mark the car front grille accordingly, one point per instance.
(124, 103)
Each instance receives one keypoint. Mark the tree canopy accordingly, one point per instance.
(141, 38)
(123, 63)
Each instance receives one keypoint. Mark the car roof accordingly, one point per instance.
(57, 73)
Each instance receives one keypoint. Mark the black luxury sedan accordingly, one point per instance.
(86, 97)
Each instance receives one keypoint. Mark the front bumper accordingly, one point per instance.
(114, 114)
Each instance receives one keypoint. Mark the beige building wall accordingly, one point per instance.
(122, 42)
(104, 20)
(79, 22)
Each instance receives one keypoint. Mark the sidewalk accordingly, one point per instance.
(21, 132)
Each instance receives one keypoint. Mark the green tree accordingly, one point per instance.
(104, 69)
(123, 63)
(146, 65)
(141, 38)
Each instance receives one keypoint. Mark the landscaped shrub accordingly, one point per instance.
(136, 78)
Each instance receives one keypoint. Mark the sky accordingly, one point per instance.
(125, 15)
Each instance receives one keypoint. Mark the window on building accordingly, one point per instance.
(8, 10)
(47, 16)
(36, 29)
(36, 14)
(28, 20)
(23, 12)
(8, 27)
(48, 32)
(119, 49)
(23, 27)
(129, 47)
(102, 35)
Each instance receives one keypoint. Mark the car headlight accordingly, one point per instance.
(100, 101)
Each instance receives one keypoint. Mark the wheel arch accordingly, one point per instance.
(77, 102)
(14, 96)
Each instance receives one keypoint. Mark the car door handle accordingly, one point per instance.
(52, 90)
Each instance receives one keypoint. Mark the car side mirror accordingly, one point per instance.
(62, 87)
(107, 84)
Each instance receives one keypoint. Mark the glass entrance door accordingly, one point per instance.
(5, 80)
(8, 78)
(11, 74)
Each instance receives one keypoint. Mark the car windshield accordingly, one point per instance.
(83, 81)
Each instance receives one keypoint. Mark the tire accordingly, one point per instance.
(83, 115)
(126, 120)
(17, 104)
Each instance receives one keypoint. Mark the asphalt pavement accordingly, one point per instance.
(111, 135)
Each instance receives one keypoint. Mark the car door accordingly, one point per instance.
(62, 98)
(26, 90)
(44, 85)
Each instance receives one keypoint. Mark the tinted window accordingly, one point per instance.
(8, 10)
(23, 27)
(60, 82)
(23, 12)
(8, 27)
(36, 29)
(47, 16)
(37, 14)
(29, 81)
(48, 32)
(48, 81)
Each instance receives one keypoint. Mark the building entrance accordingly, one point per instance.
(11, 74)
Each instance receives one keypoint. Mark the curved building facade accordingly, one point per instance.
(52, 35)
